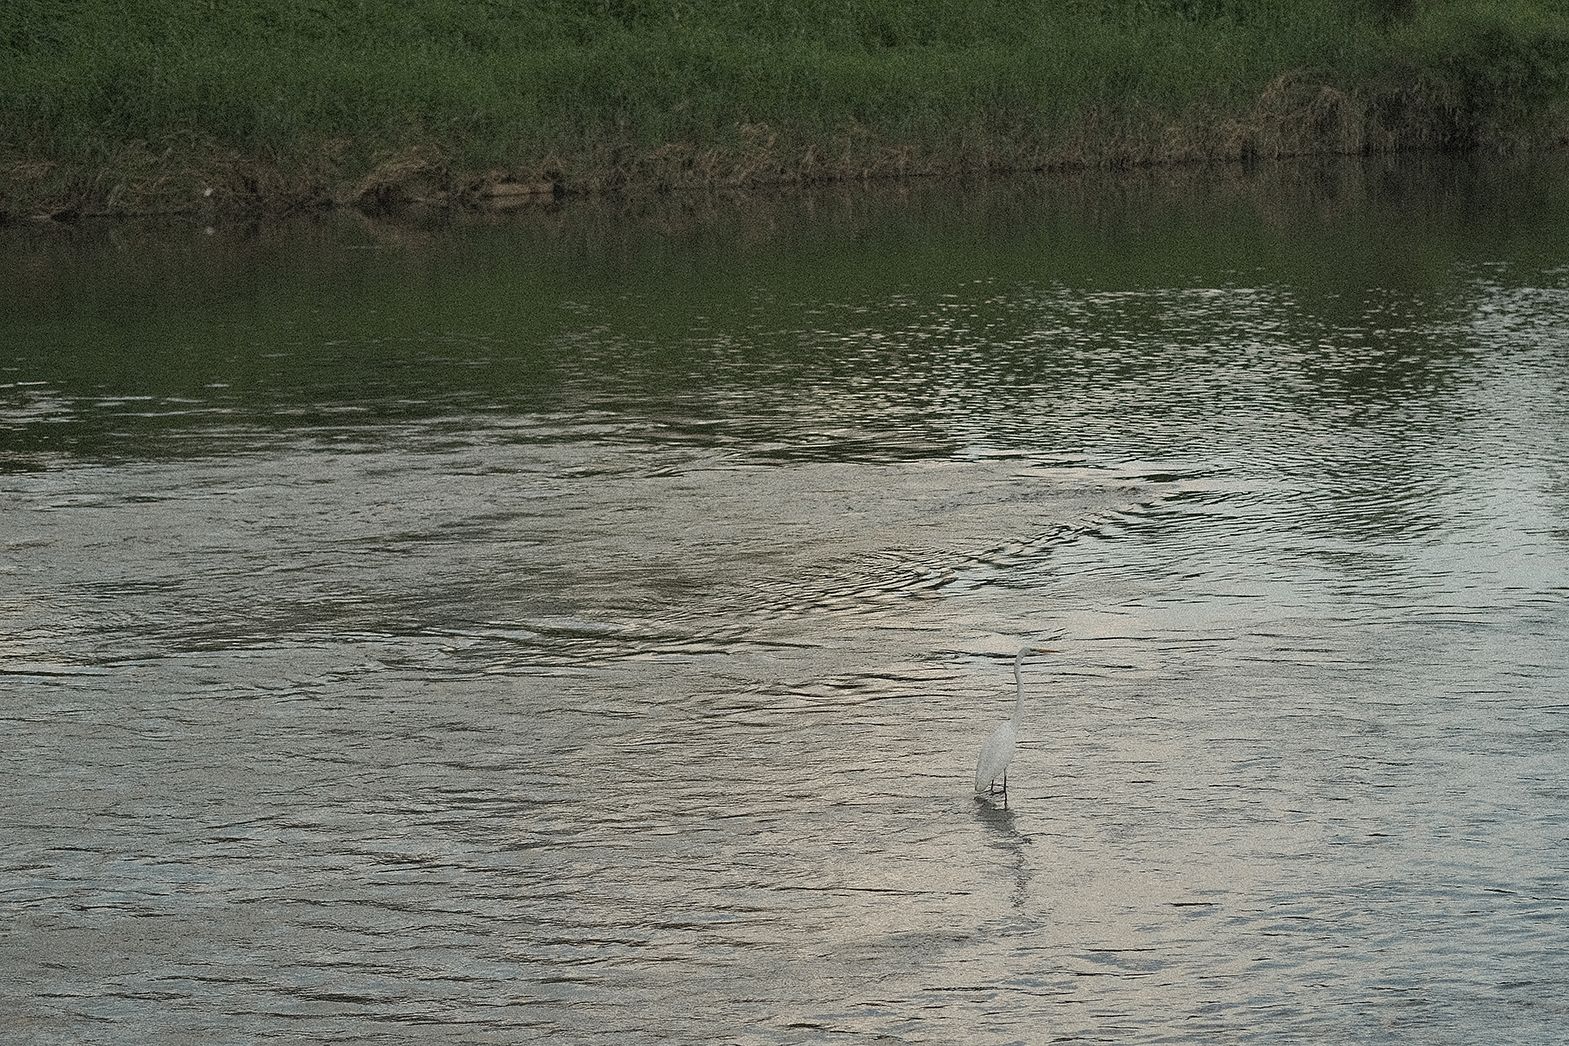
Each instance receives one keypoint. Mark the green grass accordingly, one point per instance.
(109, 104)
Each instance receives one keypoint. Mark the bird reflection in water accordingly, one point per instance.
(1001, 833)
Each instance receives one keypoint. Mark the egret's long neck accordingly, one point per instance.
(1018, 680)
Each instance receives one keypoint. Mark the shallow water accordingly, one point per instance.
(581, 627)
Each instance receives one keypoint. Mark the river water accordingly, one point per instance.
(580, 627)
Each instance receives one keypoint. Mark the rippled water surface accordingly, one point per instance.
(581, 628)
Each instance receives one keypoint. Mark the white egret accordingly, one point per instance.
(997, 752)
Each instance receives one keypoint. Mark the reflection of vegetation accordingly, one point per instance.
(106, 105)
(658, 302)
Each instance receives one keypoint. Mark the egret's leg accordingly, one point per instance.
(1005, 782)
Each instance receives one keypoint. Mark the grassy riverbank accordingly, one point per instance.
(179, 104)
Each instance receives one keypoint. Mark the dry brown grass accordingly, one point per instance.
(1295, 115)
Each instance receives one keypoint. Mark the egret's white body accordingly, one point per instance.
(997, 752)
